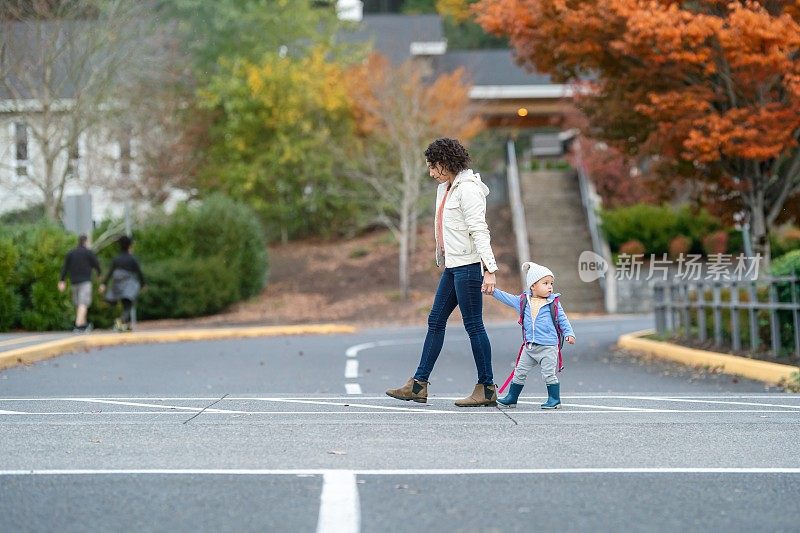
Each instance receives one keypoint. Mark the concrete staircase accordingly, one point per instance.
(558, 232)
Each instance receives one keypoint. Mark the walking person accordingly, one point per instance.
(463, 247)
(79, 263)
(545, 327)
(127, 281)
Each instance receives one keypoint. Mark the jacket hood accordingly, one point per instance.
(474, 177)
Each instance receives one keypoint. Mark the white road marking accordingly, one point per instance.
(399, 472)
(339, 509)
(352, 388)
(447, 397)
(351, 369)
(726, 402)
(353, 350)
(342, 404)
(137, 404)
(565, 411)
(606, 407)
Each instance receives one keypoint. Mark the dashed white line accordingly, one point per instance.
(352, 388)
(351, 369)
(339, 509)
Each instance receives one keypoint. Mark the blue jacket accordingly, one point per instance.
(542, 330)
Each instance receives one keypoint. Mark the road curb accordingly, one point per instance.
(46, 350)
(772, 373)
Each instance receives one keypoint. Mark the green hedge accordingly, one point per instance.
(196, 261)
(31, 257)
(655, 226)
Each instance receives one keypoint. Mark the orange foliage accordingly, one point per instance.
(397, 101)
(712, 83)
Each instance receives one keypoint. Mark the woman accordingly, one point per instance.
(127, 280)
(462, 243)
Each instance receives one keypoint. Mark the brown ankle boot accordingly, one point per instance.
(483, 395)
(412, 390)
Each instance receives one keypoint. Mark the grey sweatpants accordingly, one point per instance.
(537, 354)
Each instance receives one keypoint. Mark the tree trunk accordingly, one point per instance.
(759, 231)
(405, 218)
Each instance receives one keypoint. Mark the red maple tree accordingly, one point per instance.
(709, 88)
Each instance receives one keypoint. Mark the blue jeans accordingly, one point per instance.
(458, 286)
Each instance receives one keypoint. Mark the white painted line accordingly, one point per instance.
(565, 411)
(351, 369)
(137, 404)
(400, 472)
(339, 509)
(606, 407)
(350, 404)
(788, 397)
(726, 402)
(353, 350)
(352, 388)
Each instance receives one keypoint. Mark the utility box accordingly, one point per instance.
(78, 214)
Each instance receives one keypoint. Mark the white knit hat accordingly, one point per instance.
(534, 272)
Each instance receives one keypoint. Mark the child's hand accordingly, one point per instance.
(571, 339)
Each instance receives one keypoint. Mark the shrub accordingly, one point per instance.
(41, 249)
(679, 245)
(786, 265)
(656, 226)
(716, 242)
(785, 240)
(9, 301)
(632, 247)
(217, 227)
(185, 287)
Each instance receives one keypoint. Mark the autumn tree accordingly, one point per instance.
(276, 121)
(710, 89)
(398, 114)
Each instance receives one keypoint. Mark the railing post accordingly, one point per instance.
(773, 319)
(687, 323)
(660, 308)
(736, 340)
(755, 340)
(701, 311)
(717, 315)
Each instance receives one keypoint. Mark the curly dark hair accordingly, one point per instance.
(450, 153)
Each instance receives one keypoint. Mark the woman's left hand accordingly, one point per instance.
(489, 283)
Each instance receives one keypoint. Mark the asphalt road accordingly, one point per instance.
(295, 434)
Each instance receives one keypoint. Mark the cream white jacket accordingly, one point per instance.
(464, 228)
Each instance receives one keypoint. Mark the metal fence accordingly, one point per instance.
(764, 313)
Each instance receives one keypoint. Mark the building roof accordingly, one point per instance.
(392, 35)
(493, 73)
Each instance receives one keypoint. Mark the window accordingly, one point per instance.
(21, 134)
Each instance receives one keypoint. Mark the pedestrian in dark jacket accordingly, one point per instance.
(78, 264)
(126, 282)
